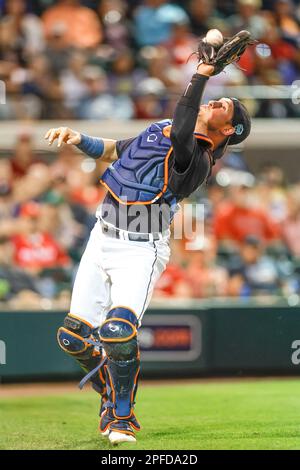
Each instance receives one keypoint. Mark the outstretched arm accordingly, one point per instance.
(94, 147)
(185, 117)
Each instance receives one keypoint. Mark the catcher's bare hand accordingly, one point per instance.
(63, 134)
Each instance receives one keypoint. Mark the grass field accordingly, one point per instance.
(262, 414)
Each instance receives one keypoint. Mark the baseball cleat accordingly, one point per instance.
(105, 433)
(116, 437)
(121, 431)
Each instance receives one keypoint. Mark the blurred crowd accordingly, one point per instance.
(117, 59)
(244, 244)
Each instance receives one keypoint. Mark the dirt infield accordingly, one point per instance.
(39, 389)
(61, 388)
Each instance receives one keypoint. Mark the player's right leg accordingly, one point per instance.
(89, 305)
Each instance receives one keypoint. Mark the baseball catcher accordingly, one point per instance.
(148, 176)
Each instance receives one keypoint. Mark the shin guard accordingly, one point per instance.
(118, 335)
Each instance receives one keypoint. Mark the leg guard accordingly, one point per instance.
(71, 338)
(118, 335)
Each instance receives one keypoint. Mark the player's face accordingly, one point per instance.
(218, 113)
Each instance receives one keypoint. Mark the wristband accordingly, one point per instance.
(92, 146)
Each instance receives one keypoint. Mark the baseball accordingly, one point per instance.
(214, 37)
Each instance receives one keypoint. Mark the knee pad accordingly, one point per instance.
(71, 336)
(72, 339)
(119, 334)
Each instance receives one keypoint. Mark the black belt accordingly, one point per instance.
(124, 235)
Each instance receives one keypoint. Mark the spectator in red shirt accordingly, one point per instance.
(291, 226)
(242, 216)
(36, 250)
(174, 282)
(206, 278)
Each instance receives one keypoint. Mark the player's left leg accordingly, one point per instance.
(134, 268)
(119, 338)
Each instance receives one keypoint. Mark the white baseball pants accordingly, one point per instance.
(115, 272)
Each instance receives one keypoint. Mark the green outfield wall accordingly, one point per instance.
(198, 339)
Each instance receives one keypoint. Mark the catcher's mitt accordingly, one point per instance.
(230, 51)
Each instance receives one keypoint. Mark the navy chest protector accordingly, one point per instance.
(141, 174)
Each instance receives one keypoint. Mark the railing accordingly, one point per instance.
(260, 92)
(266, 133)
